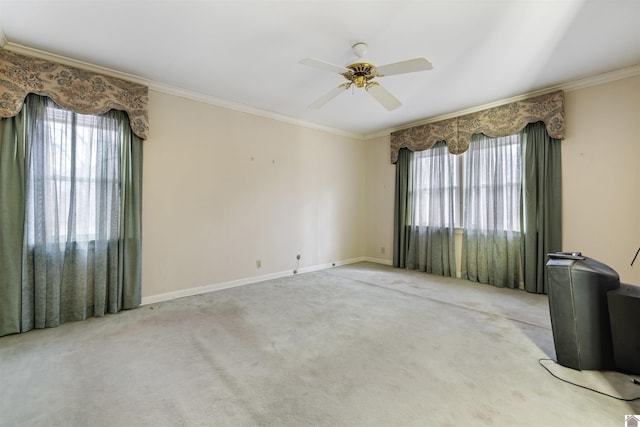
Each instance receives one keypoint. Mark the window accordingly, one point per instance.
(492, 183)
(436, 187)
(510, 200)
(75, 180)
(477, 190)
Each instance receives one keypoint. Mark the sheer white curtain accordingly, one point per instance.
(492, 186)
(434, 184)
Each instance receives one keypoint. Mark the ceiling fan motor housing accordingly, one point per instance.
(362, 73)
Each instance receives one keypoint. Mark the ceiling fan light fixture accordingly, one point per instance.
(360, 73)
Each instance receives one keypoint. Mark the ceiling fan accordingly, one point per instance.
(361, 74)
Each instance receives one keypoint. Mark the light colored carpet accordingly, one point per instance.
(358, 345)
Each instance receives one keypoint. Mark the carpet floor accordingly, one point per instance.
(358, 345)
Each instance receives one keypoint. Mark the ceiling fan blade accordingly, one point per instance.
(323, 65)
(383, 96)
(408, 66)
(329, 96)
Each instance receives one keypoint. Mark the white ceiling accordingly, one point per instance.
(245, 54)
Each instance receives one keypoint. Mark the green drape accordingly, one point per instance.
(131, 223)
(402, 209)
(542, 204)
(12, 201)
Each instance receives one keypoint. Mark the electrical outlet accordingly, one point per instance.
(258, 263)
(382, 250)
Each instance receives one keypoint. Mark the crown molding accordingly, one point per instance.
(174, 90)
(594, 80)
(598, 79)
(586, 82)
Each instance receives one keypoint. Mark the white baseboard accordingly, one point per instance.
(167, 296)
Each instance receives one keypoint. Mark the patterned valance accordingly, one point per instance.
(78, 90)
(494, 122)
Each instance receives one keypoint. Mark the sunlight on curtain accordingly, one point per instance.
(435, 201)
(492, 197)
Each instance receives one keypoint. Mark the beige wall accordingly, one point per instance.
(380, 191)
(601, 179)
(601, 174)
(223, 189)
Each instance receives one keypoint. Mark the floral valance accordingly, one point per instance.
(494, 122)
(78, 90)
